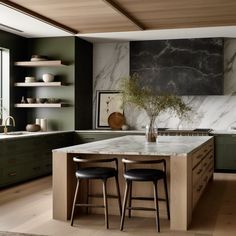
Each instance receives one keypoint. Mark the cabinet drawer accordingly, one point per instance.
(17, 159)
(197, 192)
(13, 175)
(209, 159)
(197, 157)
(201, 153)
(197, 173)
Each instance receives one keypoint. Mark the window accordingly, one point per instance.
(1, 109)
(4, 82)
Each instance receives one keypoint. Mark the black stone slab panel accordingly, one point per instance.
(181, 67)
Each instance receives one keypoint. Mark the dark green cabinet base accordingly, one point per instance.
(29, 157)
(225, 153)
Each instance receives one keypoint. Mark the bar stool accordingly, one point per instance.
(102, 173)
(142, 174)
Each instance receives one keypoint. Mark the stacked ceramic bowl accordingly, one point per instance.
(30, 79)
(38, 58)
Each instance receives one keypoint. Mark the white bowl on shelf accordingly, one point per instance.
(48, 77)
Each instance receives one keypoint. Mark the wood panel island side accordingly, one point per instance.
(190, 165)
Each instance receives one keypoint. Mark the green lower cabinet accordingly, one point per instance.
(13, 174)
(27, 158)
(225, 153)
(87, 137)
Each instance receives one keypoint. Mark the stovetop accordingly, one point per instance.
(202, 130)
(207, 130)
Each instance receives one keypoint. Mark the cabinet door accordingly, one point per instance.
(225, 153)
(13, 174)
(26, 158)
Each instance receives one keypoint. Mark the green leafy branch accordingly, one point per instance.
(152, 102)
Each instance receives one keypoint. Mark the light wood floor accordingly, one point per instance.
(27, 208)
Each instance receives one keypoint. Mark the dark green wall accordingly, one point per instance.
(18, 47)
(77, 75)
(60, 48)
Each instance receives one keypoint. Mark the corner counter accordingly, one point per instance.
(190, 166)
(26, 134)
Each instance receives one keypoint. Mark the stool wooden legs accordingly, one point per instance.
(74, 202)
(128, 191)
(118, 194)
(87, 196)
(167, 198)
(104, 187)
(130, 198)
(105, 203)
(127, 187)
(156, 205)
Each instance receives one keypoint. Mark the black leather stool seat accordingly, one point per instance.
(96, 173)
(144, 174)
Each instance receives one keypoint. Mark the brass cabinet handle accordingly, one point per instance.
(12, 174)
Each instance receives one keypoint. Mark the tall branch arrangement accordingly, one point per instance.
(147, 99)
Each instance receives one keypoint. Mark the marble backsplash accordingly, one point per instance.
(111, 62)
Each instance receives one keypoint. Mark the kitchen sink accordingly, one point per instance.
(15, 133)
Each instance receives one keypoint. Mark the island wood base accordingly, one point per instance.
(187, 179)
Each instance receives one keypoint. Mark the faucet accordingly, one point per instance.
(5, 123)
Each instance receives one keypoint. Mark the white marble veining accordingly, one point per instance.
(110, 63)
(216, 112)
(230, 66)
(137, 145)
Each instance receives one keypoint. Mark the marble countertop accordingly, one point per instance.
(230, 131)
(137, 145)
(110, 131)
(24, 134)
(131, 131)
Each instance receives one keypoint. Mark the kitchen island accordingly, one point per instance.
(190, 165)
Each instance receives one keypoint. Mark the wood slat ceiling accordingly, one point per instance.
(92, 16)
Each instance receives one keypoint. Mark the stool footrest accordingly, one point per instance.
(141, 208)
(101, 195)
(147, 198)
(89, 205)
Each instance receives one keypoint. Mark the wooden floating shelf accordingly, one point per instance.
(38, 84)
(39, 63)
(35, 105)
